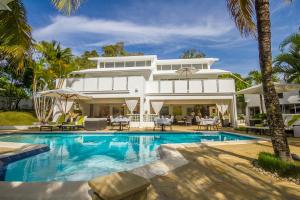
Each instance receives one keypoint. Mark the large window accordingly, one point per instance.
(166, 67)
(119, 64)
(109, 65)
(176, 67)
(130, 64)
(197, 66)
(290, 108)
(254, 111)
(164, 110)
(140, 63)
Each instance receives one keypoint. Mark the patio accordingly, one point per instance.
(213, 172)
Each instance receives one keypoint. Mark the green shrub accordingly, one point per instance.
(273, 164)
(241, 128)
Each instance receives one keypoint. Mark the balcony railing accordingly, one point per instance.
(119, 84)
(190, 86)
(136, 117)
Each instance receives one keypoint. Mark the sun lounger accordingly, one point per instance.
(79, 123)
(51, 125)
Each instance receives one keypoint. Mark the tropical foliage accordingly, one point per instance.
(52, 63)
(82, 62)
(255, 77)
(117, 49)
(288, 61)
(15, 37)
(192, 53)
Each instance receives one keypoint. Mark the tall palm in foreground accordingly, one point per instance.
(15, 35)
(15, 32)
(244, 13)
(288, 62)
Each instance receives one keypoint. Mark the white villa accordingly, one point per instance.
(289, 99)
(143, 87)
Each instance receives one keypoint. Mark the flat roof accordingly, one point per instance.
(124, 58)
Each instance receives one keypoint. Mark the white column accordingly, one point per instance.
(142, 111)
(234, 112)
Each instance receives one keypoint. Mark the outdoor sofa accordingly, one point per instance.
(93, 124)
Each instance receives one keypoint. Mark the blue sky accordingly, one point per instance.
(160, 27)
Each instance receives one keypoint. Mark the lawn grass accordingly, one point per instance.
(273, 164)
(11, 118)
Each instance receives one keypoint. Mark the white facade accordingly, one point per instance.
(147, 79)
(289, 103)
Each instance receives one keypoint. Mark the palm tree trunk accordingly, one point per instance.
(274, 116)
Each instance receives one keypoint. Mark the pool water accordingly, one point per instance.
(74, 157)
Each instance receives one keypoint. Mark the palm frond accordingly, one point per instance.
(243, 12)
(67, 6)
(292, 39)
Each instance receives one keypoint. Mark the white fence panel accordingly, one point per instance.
(90, 84)
(180, 86)
(120, 83)
(166, 87)
(105, 83)
(210, 86)
(195, 86)
(152, 87)
(226, 85)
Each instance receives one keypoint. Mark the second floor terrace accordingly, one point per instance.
(137, 85)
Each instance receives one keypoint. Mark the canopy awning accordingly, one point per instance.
(279, 87)
(65, 93)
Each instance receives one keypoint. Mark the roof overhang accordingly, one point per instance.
(279, 87)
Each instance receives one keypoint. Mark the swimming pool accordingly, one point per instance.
(74, 157)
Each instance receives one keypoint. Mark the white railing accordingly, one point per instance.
(147, 117)
(191, 86)
(134, 117)
(150, 117)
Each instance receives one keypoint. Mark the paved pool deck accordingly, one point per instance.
(211, 172)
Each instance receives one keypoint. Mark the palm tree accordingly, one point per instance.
(288, 62)
(244, 13)
(53, 63)
(59, 60)
(15, 37)
(255, 77)
(67, 6)
(192, 53)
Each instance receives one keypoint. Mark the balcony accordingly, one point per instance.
(195, 86)
(107, 85)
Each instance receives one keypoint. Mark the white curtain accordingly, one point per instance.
(222, 108)
(157, 105)
(131, 104)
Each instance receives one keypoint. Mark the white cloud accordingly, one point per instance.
(100, 31)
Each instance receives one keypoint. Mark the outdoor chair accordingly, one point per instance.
(170, 122)
(55, 124)
(155, 121)
(215, 124)
(126, 123)
(79, 123)
(200, 123)
(188, 120)
(113, 123)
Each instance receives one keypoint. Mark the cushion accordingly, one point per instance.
(118, 185)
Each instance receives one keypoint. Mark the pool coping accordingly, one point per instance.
(170, 158)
